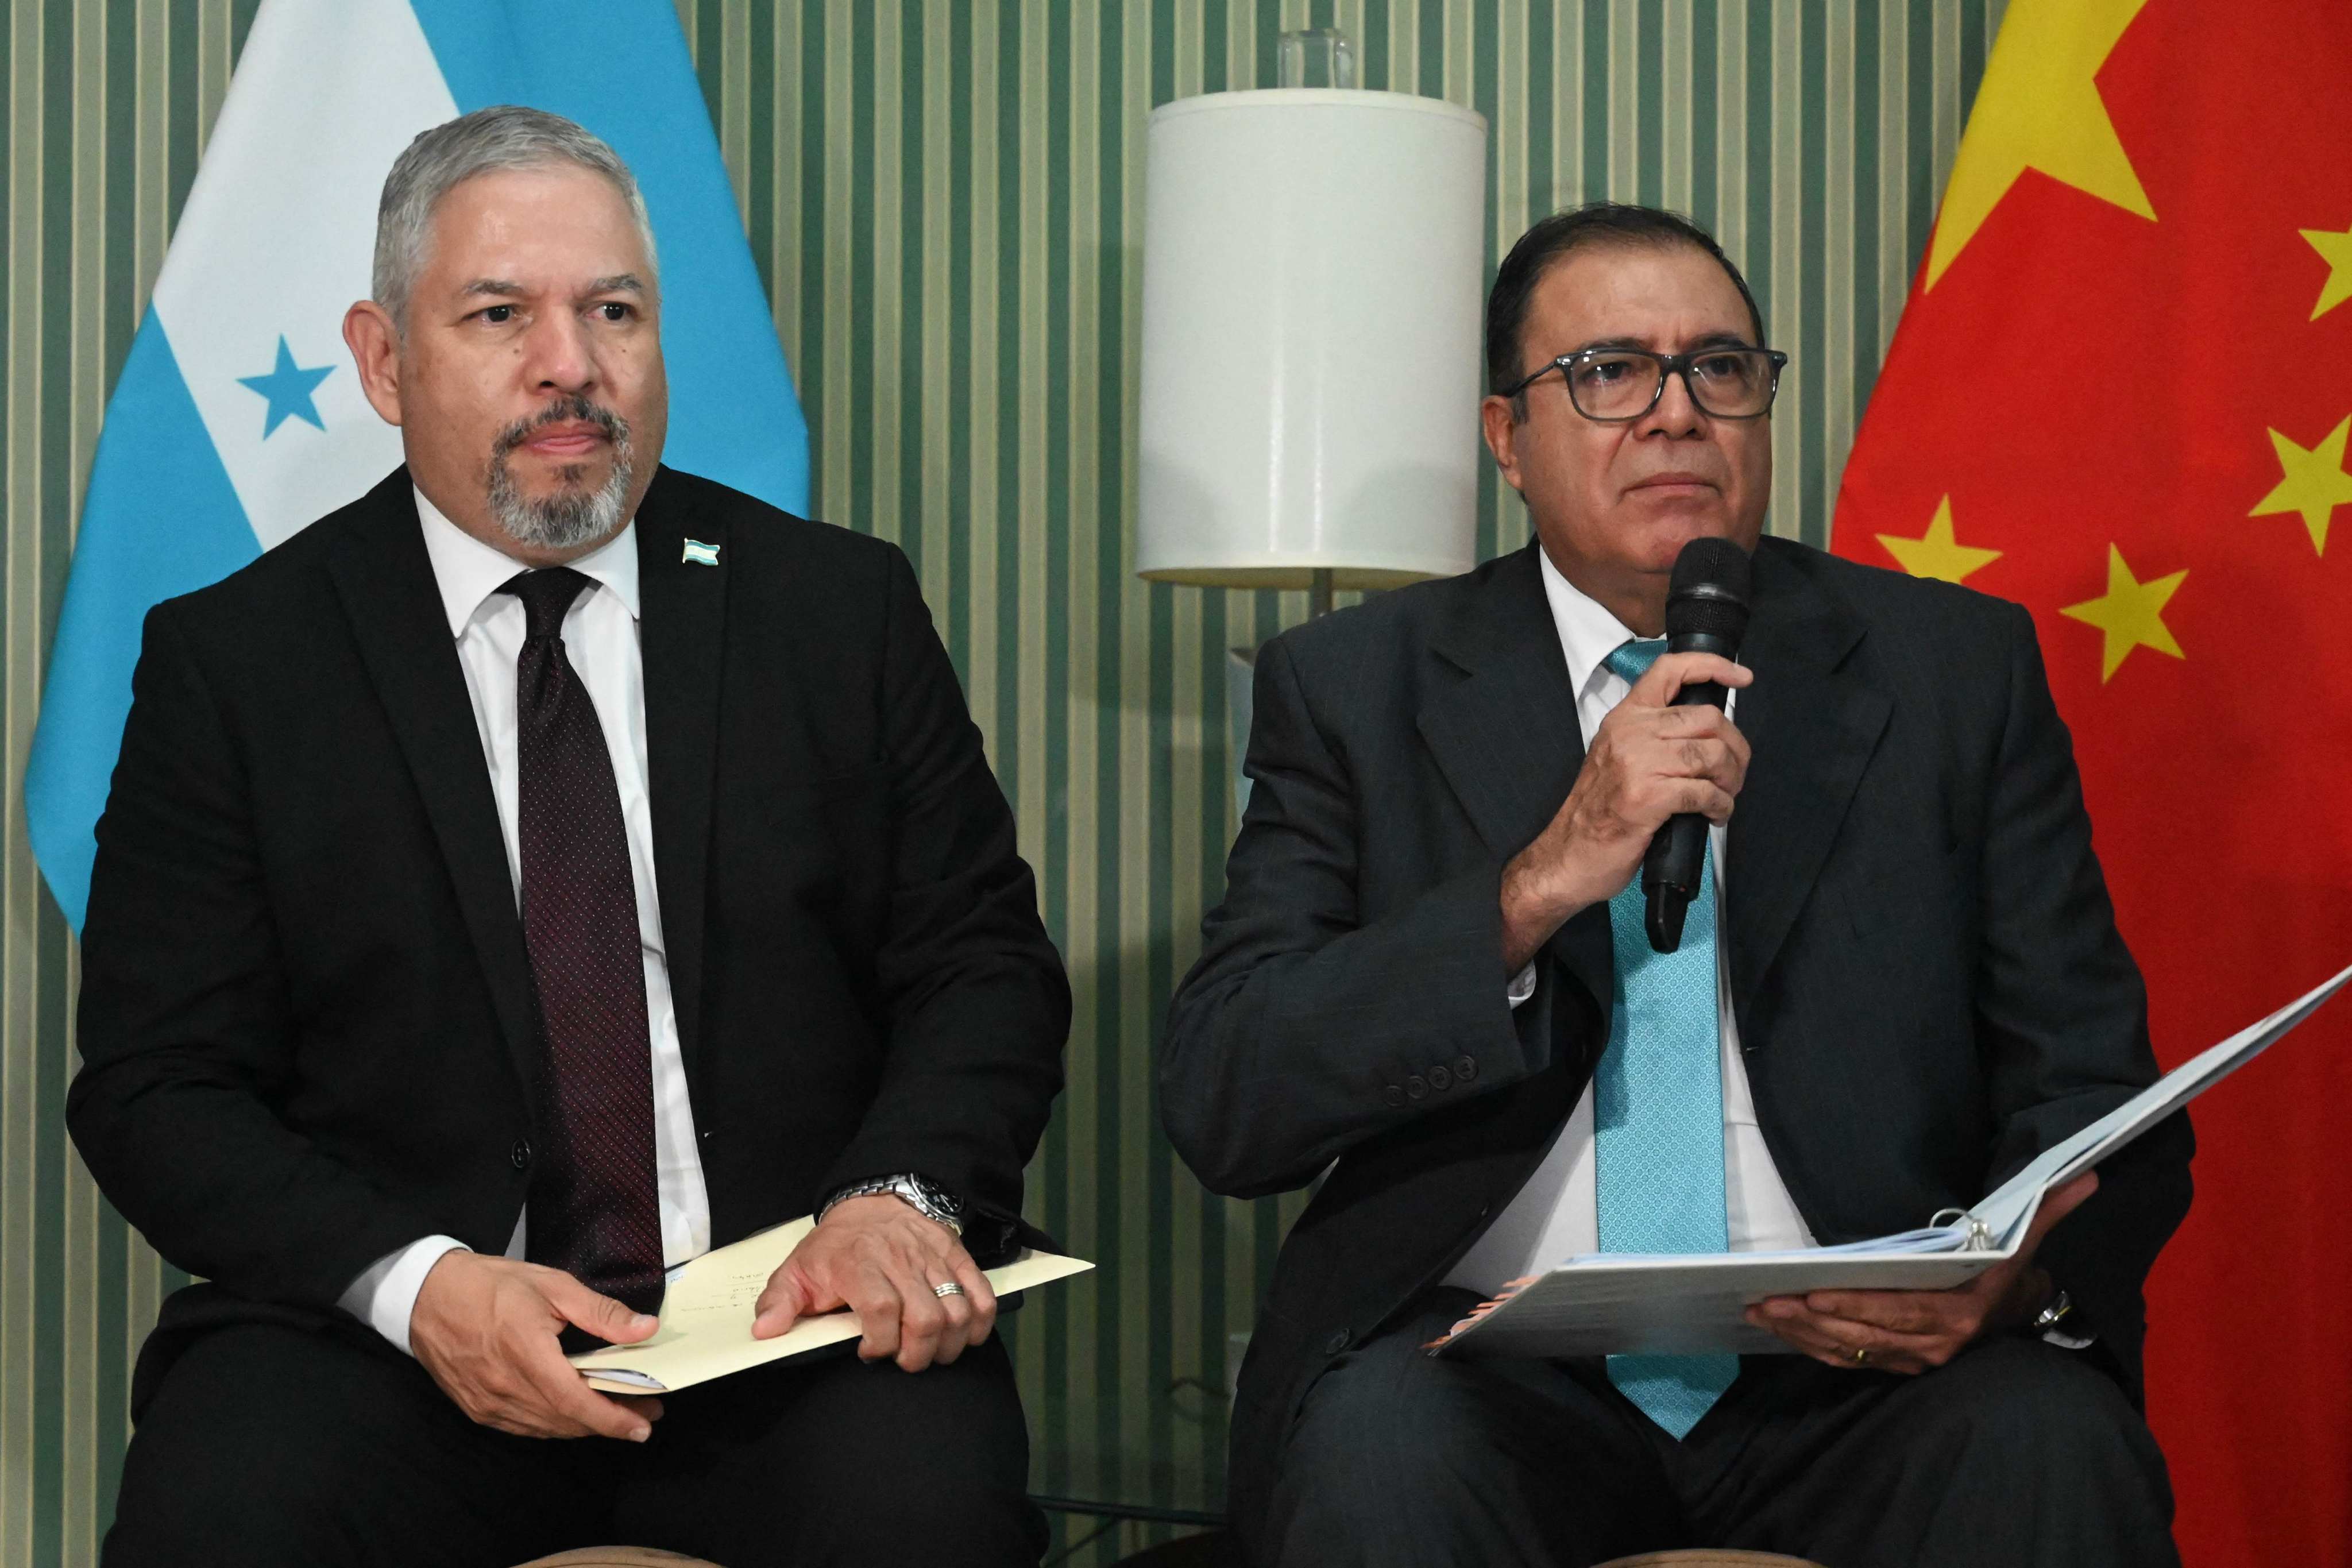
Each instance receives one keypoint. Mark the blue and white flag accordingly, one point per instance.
(238, 419)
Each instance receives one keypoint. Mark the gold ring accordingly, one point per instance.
(1860, 1354)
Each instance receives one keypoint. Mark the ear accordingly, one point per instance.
(1498, 423)
(374, 343)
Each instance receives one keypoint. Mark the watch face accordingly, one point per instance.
(940, 1197)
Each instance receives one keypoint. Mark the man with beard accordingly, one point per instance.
(540, 871)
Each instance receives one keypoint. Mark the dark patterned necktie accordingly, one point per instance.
(595, 1205)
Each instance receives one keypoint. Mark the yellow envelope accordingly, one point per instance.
(706, 1317)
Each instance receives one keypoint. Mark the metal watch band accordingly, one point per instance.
(925, 1199)
(2057, 1324)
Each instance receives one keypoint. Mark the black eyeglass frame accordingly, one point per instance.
(1669, 365)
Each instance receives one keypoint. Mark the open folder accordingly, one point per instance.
(706, 1309)
(1630, 1304)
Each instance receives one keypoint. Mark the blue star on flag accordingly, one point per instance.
(289, 389)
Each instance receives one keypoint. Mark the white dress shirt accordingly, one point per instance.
(599, 638)
(1554, 1217)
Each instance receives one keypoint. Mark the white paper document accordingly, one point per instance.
(706, 1316)
(1631, 1304)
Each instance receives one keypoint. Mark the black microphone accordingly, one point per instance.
(1706, 612)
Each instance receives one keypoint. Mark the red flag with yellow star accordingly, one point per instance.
(2120, 395)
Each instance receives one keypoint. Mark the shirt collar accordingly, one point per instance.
(468, 571)
(1588, 633)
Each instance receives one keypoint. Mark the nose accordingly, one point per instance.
(1675, 413)
(558, 355)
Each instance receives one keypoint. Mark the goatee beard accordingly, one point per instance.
(572, 516)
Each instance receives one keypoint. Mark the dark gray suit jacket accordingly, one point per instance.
(1925, 967)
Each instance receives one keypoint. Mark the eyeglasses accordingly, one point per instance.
(1615, 385)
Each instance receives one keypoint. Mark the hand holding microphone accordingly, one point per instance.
(1667, 751)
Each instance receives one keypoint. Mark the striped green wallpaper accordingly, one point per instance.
(945, 198)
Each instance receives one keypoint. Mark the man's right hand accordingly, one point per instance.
(1648, 760)
(487, 1328)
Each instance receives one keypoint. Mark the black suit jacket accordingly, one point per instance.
(1924, 968)
(307, 1020)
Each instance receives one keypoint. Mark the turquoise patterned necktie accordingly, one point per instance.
(1657, 1101)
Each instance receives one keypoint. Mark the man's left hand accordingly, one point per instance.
(1911, 1330)
(885, 1261)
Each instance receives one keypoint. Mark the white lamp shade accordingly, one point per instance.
(1311, 278)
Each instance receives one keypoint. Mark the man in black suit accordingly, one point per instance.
(540, 871)
(1426, 976)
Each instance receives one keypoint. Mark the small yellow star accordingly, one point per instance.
(2335, 250)
(2039, 107)
(2313, 482)
(2131, 614)
(1936, 553)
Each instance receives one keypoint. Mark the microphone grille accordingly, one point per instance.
(1708, 595)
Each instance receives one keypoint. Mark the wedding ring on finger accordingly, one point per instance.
(948, 1290)
(1861, 1356)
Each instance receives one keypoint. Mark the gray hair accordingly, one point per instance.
(504, 136)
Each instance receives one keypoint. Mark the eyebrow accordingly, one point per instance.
(508, 289)
(1711, 340)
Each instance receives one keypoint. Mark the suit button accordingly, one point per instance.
(1465, 1068)
(1417, 1087)
(1336, 1343)
(519, 1155)
(1440, 1079)
(1394, 1094)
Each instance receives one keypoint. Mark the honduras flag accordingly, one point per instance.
(238, 419)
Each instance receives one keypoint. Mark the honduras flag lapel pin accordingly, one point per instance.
(700, 554)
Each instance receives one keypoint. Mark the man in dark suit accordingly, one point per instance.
(544, 869)
(1427, 976)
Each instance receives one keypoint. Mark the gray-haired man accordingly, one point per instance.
(540, 871)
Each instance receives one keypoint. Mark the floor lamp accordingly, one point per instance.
(1312, 270)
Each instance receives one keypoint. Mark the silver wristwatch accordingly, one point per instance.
(2054, 1324)
(931, 1202)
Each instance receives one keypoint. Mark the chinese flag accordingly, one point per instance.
(2120, 395)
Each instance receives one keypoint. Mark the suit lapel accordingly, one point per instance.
(683, 610)
(1506, 734)
(1812, 720)
(384, 580)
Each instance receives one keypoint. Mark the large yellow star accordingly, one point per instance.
(2131, 614)
(2335, 250)
(2039, 108)
(2312, 482)
(1936, 553)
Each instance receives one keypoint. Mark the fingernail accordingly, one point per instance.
(644, 1320)
(639, 1433)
